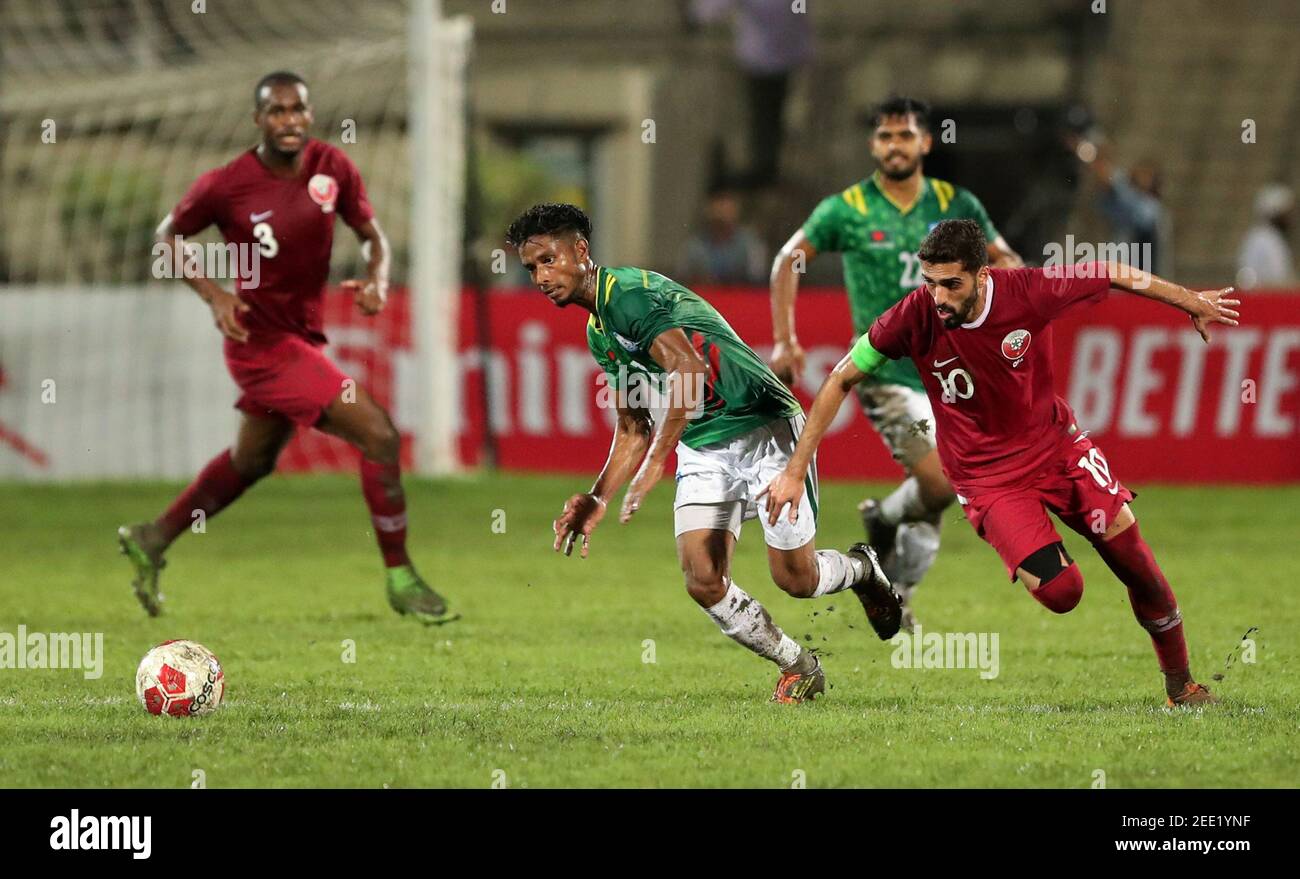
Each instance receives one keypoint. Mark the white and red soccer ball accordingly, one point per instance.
(180, 678)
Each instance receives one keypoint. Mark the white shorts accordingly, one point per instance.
(902, 416)
(718, 484)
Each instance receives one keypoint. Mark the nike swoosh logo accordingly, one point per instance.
(257, 218)
(946, 362)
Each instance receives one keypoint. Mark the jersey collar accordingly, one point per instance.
(903, 209)
(308, 143)
(596, 320)
(988, 306)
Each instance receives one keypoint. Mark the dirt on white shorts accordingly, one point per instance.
(902, 416)
(718, 484)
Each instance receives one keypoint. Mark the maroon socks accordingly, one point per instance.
(216, 486)
(382, 486)
(1153, 601)
(219, 484)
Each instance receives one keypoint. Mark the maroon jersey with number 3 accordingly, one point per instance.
(997, 415)
(289, 223)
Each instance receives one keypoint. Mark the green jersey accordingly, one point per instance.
(634, 306)
(879, 239)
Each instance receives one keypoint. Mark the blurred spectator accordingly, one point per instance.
(724, 251)
(1265, 258)
(1130, 200)
(772, 41)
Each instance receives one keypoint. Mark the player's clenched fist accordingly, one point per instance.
(786, 488)
(582, 513)
(226, 308)
(368, 295)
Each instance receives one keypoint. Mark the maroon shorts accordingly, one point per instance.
(284, 375)
(1077, 486)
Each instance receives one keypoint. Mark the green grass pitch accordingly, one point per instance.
(543, 683)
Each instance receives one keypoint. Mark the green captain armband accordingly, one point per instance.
(865, 357)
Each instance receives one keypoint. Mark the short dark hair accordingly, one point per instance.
(548, 218)
(956, 241)
(278, 77)
(900, 105)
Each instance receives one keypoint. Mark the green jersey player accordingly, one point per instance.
(732, 423)
(878, 225)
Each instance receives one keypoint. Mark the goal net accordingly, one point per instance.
(110, 109)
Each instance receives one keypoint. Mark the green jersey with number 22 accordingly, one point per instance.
(879, 239)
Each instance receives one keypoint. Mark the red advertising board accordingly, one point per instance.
(1162, 404)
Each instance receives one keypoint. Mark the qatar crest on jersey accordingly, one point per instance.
(324, 190)
(1015, 344)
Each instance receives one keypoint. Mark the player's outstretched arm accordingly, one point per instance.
(226, 307)
(687, 376)
(371, 294)
(583, 512)
(790, 264)
(788, 486)
(1212, 306)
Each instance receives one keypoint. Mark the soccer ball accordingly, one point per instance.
(180, 678)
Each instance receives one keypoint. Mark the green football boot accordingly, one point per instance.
(142, 551)
(409, 594)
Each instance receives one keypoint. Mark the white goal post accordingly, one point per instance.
(439, 54)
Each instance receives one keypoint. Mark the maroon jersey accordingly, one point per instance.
(997, 416)
(290, 225)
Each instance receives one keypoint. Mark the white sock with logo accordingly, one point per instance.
(904, 504)
(836, 571)
(743, 620)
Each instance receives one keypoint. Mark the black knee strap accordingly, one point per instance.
(1045, 562)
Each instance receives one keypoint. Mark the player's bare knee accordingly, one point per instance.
(254, 465)
(382, 442)
(797, 582)
(705, 580)
(707, 588)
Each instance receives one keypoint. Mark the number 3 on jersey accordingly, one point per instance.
(266, 243)
(952, 389)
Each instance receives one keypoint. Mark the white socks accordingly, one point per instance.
(915, 548)
(743, 620)
(904, 505)
(836, 571)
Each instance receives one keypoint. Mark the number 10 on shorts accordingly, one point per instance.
(1095, 463)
